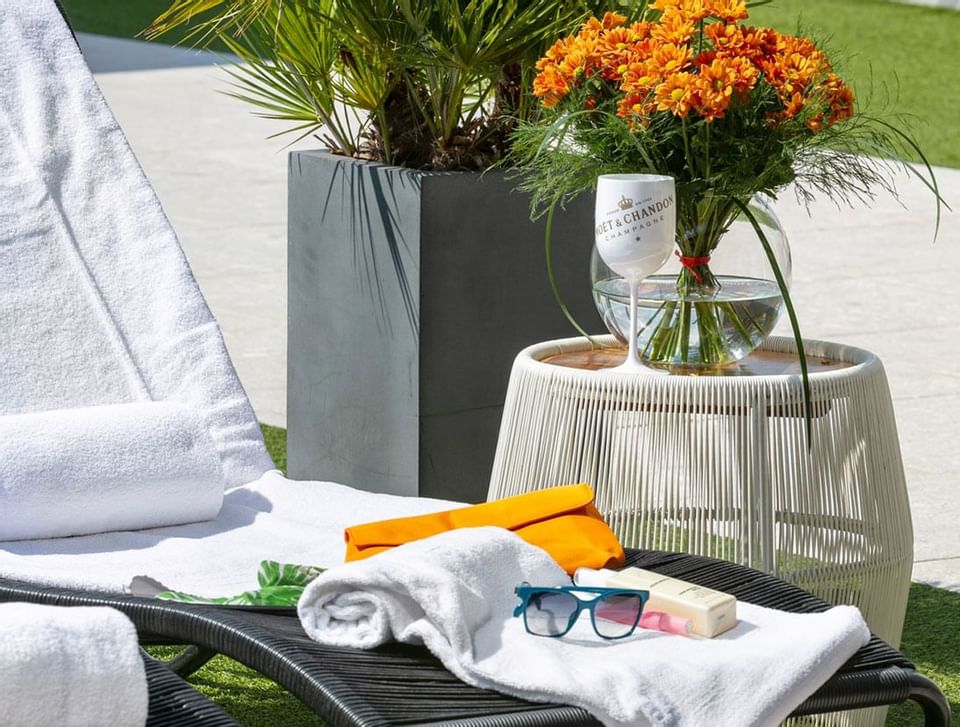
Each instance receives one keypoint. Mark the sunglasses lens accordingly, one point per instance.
(616, 615)
(549, 613)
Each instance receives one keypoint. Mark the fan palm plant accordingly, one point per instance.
(432, 84)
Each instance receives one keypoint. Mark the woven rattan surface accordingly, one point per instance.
(403, 685)
(174, 703)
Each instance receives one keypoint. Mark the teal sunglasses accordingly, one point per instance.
(553, 610)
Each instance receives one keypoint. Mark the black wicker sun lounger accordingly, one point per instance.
(404, 685)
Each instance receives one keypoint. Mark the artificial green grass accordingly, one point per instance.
(251, 699)
(276, 440)
(121, 18)
(931, 639)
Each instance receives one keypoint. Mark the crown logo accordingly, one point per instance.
(625, 203)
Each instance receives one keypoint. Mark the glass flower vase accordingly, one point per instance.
(709, 306)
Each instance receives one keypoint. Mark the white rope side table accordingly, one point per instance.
(718, 465)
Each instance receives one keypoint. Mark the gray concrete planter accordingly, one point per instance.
(410, 293)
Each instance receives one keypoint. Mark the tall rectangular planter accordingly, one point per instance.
(410, 293)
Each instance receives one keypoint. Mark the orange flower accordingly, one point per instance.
(609, 20)
(639, 79)
(714, 88)
(727, 10)
(669, 58)
(745, 74)
(550, 87)
(558, 70)
(796, 64)
(674, 27)
(555, 52)
(677, 94)
(613, 20)
(694, 10)
(840, 98)
(617, 47)
(635, 106)
(754, 44)
(794, 106)
(664, 5)
(791, 44)
(641, 29)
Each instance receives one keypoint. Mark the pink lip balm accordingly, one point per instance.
(660, 621)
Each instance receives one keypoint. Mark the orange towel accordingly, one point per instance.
(561, 520)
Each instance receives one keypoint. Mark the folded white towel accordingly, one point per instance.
(454, 593)
(97, 302)
(121, 467)
(76, 667)
(271, 519)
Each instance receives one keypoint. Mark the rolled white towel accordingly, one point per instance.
(102, 468)
(454, 593)
(76, 667)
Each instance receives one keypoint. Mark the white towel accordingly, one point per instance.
(97, 303)
(76, 667)
(73, 472)
(454, 593)
(271, 519)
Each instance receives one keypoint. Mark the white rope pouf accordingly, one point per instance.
(718, 465)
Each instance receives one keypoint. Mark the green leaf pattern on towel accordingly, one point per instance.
(281, 584)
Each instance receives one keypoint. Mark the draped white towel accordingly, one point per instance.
(271, 519)
(97, 303)
(76, 666)
(79, 471)
(454, 593)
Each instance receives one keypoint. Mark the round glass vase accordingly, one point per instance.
(692, 318)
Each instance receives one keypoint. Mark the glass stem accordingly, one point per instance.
(632, 341)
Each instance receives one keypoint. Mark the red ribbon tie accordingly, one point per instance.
(691, 263)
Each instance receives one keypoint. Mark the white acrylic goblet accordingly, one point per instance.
(636, 222)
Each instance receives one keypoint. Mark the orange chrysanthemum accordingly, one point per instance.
(754, 44)
(669, 58)
(697, 10)
(635, 106)
(607, 22)
(674, 27)
(550, 87)
(727, 10)
(794, 72)
(714, 88)
(620, 46)
(677, 94)
(565, 62)
(640, 77)
(840, 98)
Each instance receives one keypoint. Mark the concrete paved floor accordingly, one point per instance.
(868, 276)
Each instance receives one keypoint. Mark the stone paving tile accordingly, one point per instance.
(940, 573)
(928, 433)
(223, 186)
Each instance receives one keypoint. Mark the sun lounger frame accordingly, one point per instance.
(405, 685)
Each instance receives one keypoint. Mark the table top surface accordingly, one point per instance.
(759, 363)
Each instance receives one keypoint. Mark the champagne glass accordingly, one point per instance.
(636, 221)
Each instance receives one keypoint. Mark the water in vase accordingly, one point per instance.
(696, 329)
